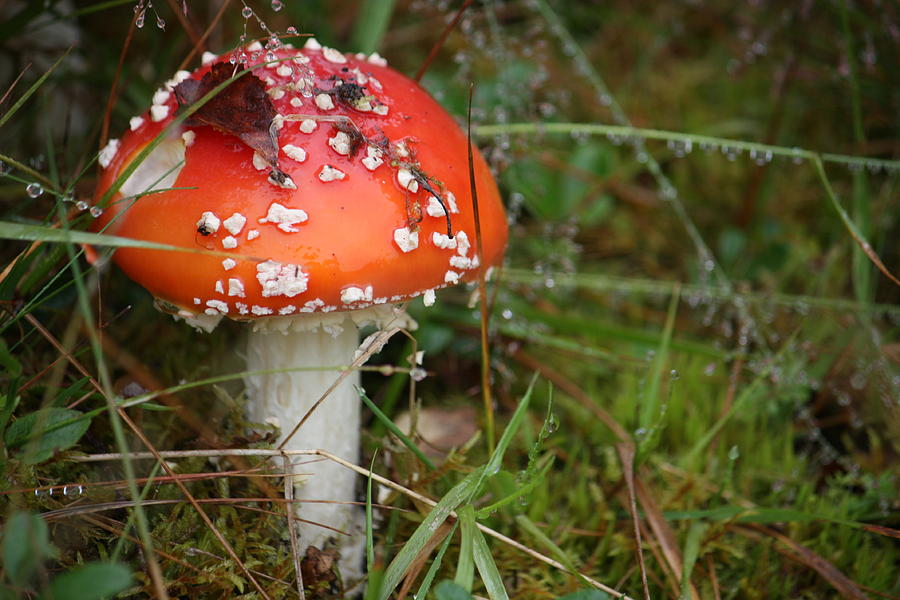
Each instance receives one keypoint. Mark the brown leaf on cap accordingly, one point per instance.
(243, 109)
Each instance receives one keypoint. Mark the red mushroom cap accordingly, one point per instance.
(362, 226)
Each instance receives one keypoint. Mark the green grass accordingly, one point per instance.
(700, 195)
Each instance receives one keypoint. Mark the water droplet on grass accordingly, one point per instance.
(552, 423)
(734, 453)
(277, 5)
(246, 12)
(96, 211)
(81, 205)
(673, 375)
(34, 190)
(160, 23)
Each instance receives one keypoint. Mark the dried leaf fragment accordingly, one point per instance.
(242, 109)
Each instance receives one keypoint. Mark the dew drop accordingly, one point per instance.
(96, 211)
(552, 423)
(73, 490)
(673, 375)
(277, 5)
(709, 369)
(81, 205)
(34, 190)
(292, 30)
(507, 314)
(418, 374)
(139, 21)
(246, 12)
(160, 22)
(734, 453)
(5, 168)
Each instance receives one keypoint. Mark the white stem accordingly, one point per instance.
(284, 398)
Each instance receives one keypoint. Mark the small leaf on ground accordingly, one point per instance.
(25, 546)
(93, 581)
(447, 590)
(42, 432)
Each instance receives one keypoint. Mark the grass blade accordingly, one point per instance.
(493, 465)
(371, 23)
(487, 568)
(459, 494)
(425, 587)
(34, 87)
(691, 551)
(386, 421)
(465, 566)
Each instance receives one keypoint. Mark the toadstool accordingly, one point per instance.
(339, 190)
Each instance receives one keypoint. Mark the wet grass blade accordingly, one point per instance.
(465, 565)
(461, 493)
(691, 551)
(425, 586)
(487, 568)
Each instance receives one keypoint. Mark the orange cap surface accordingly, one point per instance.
(360, 228)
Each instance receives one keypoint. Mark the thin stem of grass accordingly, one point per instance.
(105, 382)
(605, 97)
(626, 132)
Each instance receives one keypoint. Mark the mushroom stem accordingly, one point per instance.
(285, 398)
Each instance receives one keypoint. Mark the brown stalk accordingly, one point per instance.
(185, 23)
(199, 44)
(736, 369)
(626, 455)
(419, 562)
(292, 529)
(432, 54)
(14, 83)
(482, 287)
(713, 580)
(113, 92)
(663, 534)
